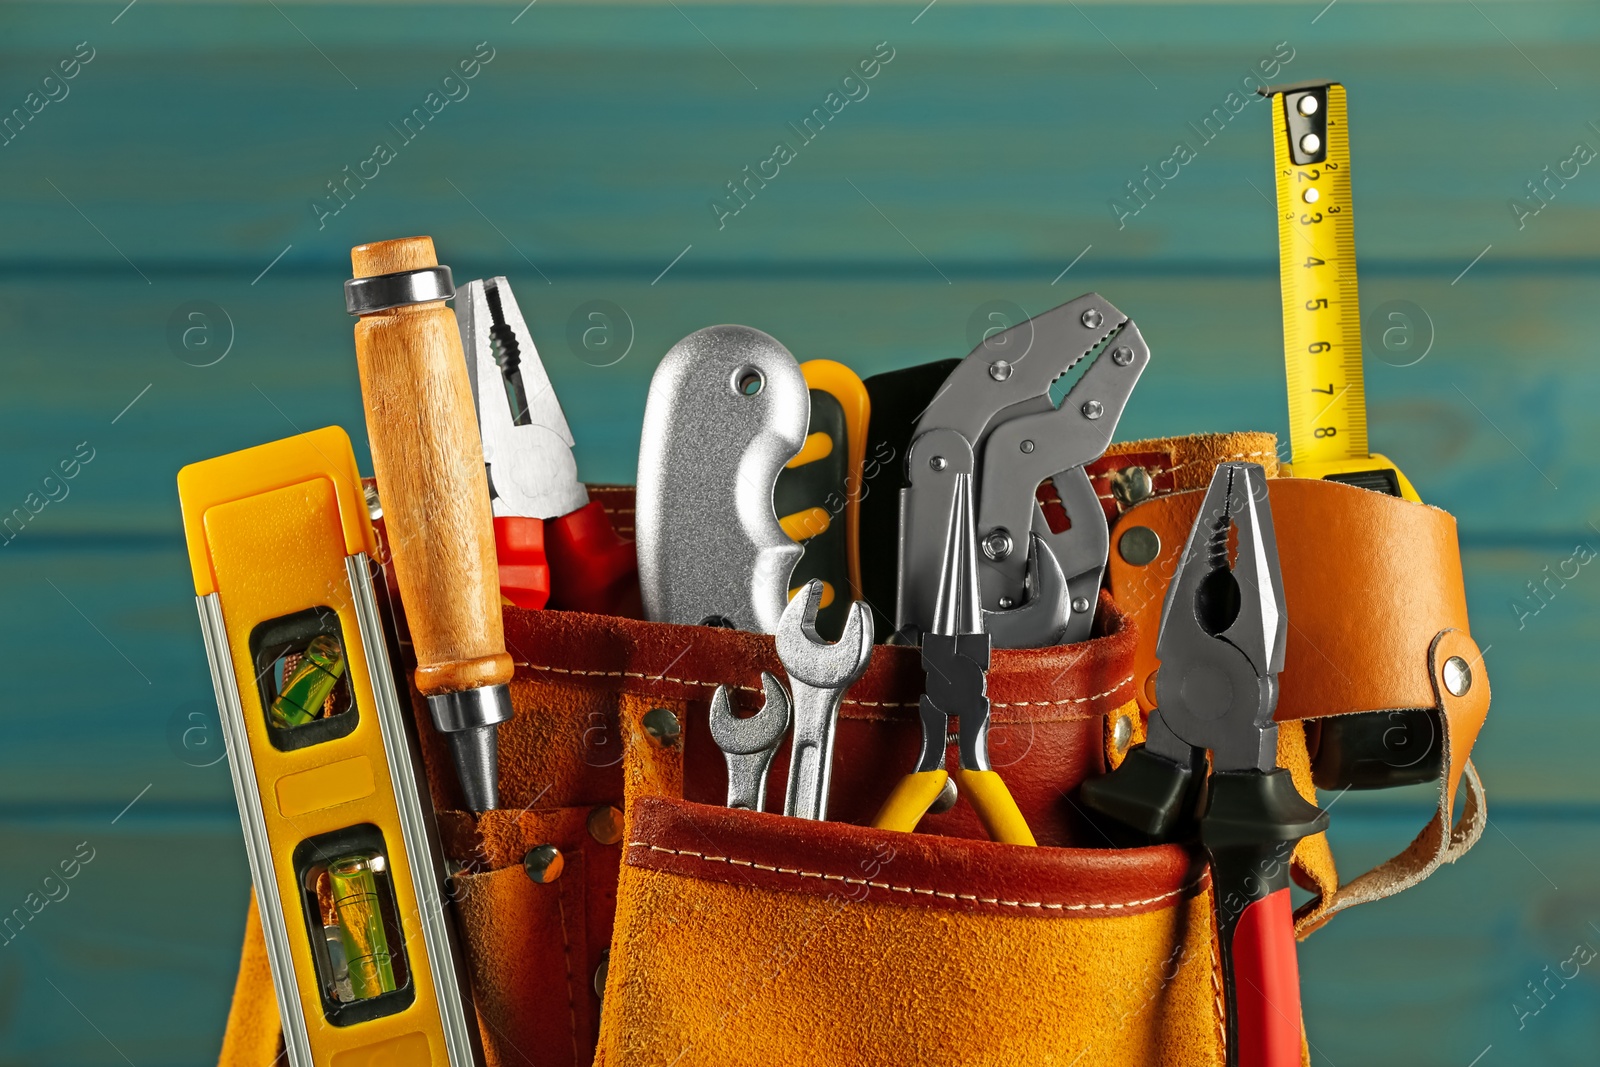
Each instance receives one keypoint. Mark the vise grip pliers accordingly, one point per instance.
(1003, 407)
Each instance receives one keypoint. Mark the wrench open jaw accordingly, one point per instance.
(819, 673)
(748, 744)
(1004, 410)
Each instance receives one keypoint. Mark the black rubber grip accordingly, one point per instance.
(899, 398)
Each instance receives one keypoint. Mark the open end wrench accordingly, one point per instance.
(749, 743)
(819, 674)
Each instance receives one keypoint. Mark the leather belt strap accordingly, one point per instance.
(1376, 609)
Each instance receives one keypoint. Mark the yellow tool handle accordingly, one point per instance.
(845, 386)
(1321, 306)
(912, 797)
(987, 793)
(984, 790)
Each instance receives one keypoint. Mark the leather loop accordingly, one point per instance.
(1368, 581)
(1376, 606)
(1441, 841)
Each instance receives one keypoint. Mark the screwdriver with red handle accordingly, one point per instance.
(556, 547)
(1221, 645)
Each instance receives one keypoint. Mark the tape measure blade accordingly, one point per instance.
(1317, 281)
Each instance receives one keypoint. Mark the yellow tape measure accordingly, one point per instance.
(1321, 310)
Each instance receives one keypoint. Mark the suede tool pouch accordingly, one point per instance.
(613, 711)
(614, 714)
(750, 938)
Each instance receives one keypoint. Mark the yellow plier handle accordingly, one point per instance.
(985, 790)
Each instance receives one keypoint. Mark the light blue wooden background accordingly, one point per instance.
(182, 165)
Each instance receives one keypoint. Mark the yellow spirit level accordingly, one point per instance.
(1317, 272)
(337, 818)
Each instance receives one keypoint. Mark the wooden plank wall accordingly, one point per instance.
(182, 164)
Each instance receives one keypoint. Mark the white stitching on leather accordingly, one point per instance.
(858, 703)
(1098, 906)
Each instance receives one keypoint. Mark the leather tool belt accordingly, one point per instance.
(718, 936)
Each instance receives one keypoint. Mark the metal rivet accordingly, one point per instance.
(1139, 545)
(997, 543)
(543, 863)
(1122, 355)
(1457, 676)
(662, 727)
(1093, 409)
(374, 505)
(1006, 603)
(1027, 447)
(600, 973)
(1311, 196)
(946, 799)
(1080, 605)
(1092, 318)
(1310, 143)
(1000, 370)
(1307, 105)
(747, 381)
(1122, 733)
(1131, 485)
(937, 463)
(605, 824)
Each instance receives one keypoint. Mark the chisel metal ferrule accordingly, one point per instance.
(468, 719)
(365, 296)
(471, 708)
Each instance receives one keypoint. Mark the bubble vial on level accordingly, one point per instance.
(352, 913)
(307, 686)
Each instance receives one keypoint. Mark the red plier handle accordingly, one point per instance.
(1252, 824)
(573, 563)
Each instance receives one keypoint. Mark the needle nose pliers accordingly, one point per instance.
(955, 655)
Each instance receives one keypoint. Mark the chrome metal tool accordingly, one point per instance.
(819, 673)
(1004, 409)
(555, 546)
(748, 744)
(955, 655)
(526, 441)
(728, 407)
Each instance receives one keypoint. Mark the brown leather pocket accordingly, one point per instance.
(744, 938)
(532, 946)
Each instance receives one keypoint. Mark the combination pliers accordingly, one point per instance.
(1221, 649)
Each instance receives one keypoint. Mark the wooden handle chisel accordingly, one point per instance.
(429, 464)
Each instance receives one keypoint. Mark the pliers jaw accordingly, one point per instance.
(527, 443)
(955, 655)
(1222, 631)
(957, 668)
